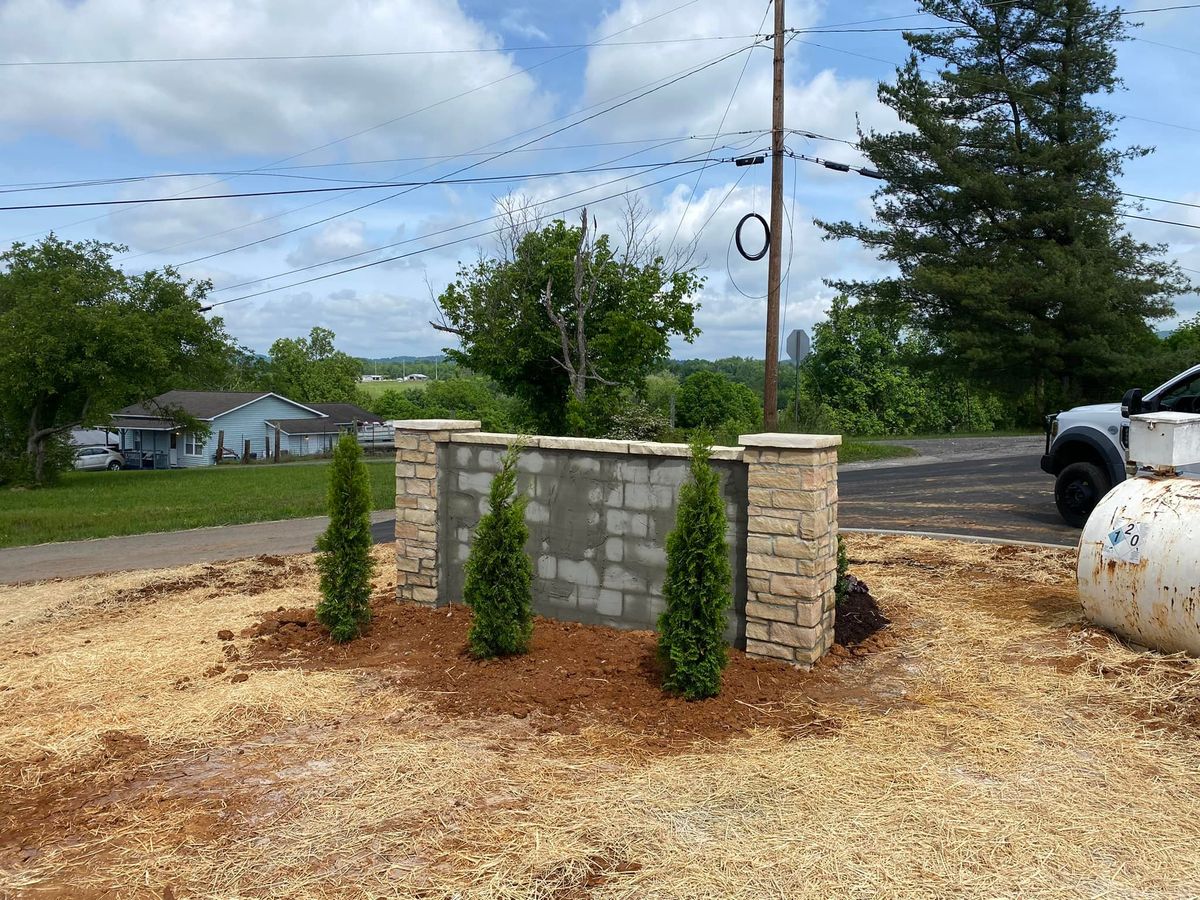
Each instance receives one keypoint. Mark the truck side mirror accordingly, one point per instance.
(1131, 403)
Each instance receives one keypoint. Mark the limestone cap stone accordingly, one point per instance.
(784, 441)
(438, 425)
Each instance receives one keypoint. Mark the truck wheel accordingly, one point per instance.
(1077, 491)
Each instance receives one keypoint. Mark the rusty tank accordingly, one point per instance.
(1139, 554)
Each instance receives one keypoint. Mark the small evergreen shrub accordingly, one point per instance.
(499, 575)
(842, 586)
(345, 548)
(691, 631)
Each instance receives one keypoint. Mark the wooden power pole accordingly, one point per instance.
(775, 260)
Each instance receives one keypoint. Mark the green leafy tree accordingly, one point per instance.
(312, 370)
(713, 401)
(874, 378)
(499, 574)
(565, 316)
(999, 203)
(698, 586)
(344, 560)
(82, 339)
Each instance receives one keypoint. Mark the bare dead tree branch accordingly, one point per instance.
(519, 216)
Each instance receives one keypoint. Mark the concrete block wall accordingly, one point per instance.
(599, 513)
(598, 521)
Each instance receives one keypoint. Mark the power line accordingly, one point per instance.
(724, 115)
(630, 99)
(520, 71)
(279, 171)
(362, 55)
(442, 231)
(400, 256)
(482, 179)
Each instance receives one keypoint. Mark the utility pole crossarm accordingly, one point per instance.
(775, 261)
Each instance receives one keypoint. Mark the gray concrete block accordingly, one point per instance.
(624, 523)
(463, 457)
(610, 602)
(536, 513)
(578, 572)
(473, 482)
(619, 578)
(641, 610)
(532, 461)
(636, 471)
(488, 458)
(614, 549)
(668, 471)
(647, 553)
(581, 466)
(614, 493)
(637, 497)
(547, 567)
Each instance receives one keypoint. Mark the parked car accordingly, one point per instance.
(1086, 446)
(91, 458)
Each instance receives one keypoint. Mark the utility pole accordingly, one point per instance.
(775, 261)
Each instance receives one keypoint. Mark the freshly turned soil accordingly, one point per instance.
(858, 616)
(574, 676)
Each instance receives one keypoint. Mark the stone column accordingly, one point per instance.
(791, 545)
(417, 505)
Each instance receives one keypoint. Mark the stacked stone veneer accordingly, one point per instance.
(599, 513)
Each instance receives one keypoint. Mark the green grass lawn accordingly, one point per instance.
(101, 504)
(857, 450)
(375, 388)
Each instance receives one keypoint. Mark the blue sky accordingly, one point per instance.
(328, 116)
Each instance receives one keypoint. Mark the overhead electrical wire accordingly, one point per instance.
(279, 171)
(481, 179)
(519, 71)
(411, 253)
(450, 51)
(660, 85)
(724, 115)
(648, 169)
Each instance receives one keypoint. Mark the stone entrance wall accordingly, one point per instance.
(599, 513)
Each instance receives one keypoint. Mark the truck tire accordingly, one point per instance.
(1077, 490)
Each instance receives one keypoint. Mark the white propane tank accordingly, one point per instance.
(1139, 554)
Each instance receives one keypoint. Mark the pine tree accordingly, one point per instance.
(345, 548)
(999, 202)
(499, 574)
(697, 590)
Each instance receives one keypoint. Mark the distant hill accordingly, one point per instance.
(367, 360)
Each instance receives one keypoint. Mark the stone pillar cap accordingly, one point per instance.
(786, 441)
(438, 425)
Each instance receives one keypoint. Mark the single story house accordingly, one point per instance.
(147, 429)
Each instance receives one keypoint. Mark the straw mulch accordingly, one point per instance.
(994, 746)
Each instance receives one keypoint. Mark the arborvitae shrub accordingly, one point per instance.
(697, 590)
(345, 548)
(499, 575)
(842, 585)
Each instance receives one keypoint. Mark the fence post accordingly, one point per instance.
(246, 451)
(791, 544)
(276, 443)
(417, 481)
(220, 445)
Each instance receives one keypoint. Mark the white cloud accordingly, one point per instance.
(263, 107)
(338, 238)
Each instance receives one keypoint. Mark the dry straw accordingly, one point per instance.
(996, 747)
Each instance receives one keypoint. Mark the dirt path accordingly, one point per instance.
(72, 559)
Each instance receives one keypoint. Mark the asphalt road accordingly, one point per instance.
(1007, 497)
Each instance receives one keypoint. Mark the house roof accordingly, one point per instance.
(305, 426)
(145, 423)
(202, 404)
(345, 413)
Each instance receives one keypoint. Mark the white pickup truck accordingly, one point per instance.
(1086, 446)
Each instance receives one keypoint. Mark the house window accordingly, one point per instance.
(193, 444)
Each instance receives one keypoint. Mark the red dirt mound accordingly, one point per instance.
(574, 675)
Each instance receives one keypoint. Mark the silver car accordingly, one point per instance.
(90, 458)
